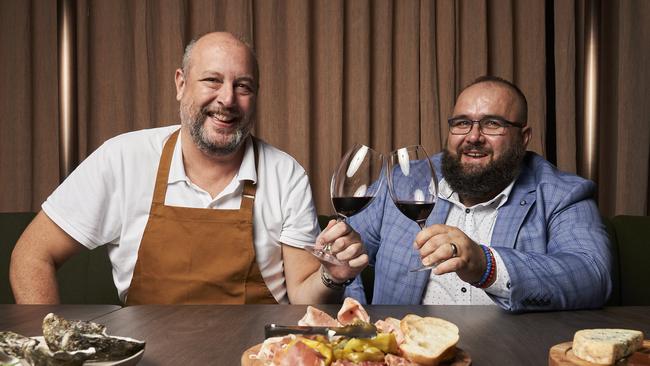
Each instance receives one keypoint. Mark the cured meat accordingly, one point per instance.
(391, 325)
(352, 311)
(364, 363)
(393, 360)
(317, 318)
(298, 355)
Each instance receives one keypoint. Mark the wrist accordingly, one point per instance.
(489, 274)
(332, 283)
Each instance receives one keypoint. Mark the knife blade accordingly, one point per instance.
(356, 330)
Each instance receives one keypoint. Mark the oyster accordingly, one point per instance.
(63, 335)
(21, 350)
(15, 345)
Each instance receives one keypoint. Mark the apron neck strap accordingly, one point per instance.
(162, 177)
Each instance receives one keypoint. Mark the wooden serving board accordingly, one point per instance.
(462, 358)
(562, 355)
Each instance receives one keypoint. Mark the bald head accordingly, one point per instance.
(220, 40)
(509, 92)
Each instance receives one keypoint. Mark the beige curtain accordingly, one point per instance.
(333, 72)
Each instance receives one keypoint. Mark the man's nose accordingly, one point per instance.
(226, 96)
(474, 133)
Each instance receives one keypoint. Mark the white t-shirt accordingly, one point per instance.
(107, 199)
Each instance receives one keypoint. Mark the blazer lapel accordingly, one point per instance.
(511, 215)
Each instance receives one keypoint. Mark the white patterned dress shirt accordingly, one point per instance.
(478, 223)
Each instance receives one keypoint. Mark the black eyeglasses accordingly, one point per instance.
(489, 125)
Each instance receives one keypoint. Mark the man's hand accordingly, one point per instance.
(346, 245)
(434, 244)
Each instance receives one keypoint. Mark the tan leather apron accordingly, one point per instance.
(197, 255)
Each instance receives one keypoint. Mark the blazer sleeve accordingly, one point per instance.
(567, 264)
(368, 224)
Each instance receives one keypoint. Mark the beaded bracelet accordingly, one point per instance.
(487, 276)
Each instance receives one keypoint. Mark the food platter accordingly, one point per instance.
(462, 358)
(562, 355)
(128, 361)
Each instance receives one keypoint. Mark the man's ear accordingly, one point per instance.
(526, 134)
(179, 80)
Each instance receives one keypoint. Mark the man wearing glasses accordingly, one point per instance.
(507, 228)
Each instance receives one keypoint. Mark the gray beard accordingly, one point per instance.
(200, 138)
(485, 182)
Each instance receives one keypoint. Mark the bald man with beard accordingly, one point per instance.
(508, 227)
(201, 213)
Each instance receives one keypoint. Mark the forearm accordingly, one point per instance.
(33, 280)
(312, 290)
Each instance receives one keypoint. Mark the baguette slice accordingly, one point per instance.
(606, 346)
(428, 340)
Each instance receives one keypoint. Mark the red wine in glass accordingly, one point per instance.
(348, 206)
(417, 211)
(412, 184)
(355, 182)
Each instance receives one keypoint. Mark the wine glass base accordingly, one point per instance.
(323, 255)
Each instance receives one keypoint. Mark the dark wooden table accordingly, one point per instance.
(28, 319)
(218, 334)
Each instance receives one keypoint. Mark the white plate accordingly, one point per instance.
(132, 360)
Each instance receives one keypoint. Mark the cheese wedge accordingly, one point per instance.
(606, 346)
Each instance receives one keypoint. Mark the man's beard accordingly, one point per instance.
(481, 182)
(201, 136)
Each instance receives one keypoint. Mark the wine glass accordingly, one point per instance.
(412, 185)
(355, 182)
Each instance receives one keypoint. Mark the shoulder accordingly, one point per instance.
(552, 182)
(274, 160)
(141, 141)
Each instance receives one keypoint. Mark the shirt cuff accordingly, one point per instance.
(501, 286)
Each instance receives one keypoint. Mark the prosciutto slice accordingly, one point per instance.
(352, 311)
(317, 318)
(391, 325)
(298, 355)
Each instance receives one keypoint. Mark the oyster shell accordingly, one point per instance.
(63, 335)
(23, 350)
(15, 345)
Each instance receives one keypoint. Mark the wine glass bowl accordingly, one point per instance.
(355, 183)
(412, 183)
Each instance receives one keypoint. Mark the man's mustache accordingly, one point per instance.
(481, 149)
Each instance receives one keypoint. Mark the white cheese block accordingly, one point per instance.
(606, 346)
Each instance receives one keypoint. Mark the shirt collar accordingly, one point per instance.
(246, 169)
(447, 193)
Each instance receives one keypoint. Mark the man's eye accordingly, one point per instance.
(211, 80)
(492, 123)
(463, 123)
(244, 88)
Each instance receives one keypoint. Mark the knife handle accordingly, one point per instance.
(274, 330)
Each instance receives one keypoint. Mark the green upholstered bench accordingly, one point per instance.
(631, 276)
(84, 279)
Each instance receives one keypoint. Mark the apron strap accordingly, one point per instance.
(160, 189)
(248, 195)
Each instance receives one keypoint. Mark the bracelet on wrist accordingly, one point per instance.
(490, 269)
(330, 283)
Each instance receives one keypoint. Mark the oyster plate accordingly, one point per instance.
(128, 361)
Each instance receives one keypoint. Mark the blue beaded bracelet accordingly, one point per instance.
(489, 270)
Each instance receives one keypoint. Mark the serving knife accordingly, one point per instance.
(355, 330)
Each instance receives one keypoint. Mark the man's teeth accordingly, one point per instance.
(221, 117)
(475, 154)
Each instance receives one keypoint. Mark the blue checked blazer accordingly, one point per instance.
(549, 235)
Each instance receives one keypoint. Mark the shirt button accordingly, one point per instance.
(463, 289)
(467, 210)
(508, 285)
(522, 203)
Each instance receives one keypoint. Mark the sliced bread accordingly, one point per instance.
(428, 340)
(606, 346)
